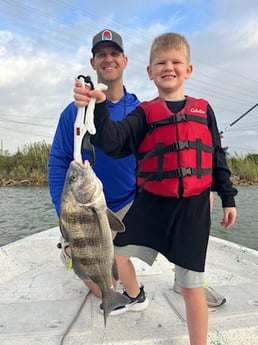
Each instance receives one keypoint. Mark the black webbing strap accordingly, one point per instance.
(176, 146)
(176, 119)
(160, 154)
(179, 172)
(198, 157)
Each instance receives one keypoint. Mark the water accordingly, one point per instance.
(245, 230)
(24, 211)
(27, 210)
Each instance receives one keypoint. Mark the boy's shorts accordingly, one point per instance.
(188, 279)
(185, 278)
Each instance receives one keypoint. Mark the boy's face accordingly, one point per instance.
(169, 69)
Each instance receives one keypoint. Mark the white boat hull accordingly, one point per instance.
(39, 298)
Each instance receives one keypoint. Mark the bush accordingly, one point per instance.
(31, 163)
(246, 168)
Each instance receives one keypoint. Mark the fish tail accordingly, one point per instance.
(113, 300)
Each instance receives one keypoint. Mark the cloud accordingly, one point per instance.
(42, 49)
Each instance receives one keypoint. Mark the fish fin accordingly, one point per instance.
(99, 216)
(115, 222)
(113, 300)
(62, 229)
(115, 270)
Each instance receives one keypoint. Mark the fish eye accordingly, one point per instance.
(73, 178)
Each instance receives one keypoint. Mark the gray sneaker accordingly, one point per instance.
(138, 303)
(213, 297)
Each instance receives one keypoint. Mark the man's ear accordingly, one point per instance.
(92, 62)
(125, 61)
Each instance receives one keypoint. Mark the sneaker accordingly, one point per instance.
(138, 303)
(213, 297)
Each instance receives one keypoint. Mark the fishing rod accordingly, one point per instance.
(239, 118)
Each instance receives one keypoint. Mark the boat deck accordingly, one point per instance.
(39, 298)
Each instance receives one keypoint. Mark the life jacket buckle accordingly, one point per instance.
(181, 172)
(180, 145)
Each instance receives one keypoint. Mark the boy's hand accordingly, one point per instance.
(82, 95)
(229, 218)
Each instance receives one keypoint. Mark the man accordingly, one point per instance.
(109, 62)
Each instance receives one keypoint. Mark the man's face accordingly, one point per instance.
(109, 62)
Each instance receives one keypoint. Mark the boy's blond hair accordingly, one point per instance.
(170, 40)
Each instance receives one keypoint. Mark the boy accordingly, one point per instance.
(179, 160)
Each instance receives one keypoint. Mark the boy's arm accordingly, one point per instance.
(116, 138)
(221, 174)
(229, 217)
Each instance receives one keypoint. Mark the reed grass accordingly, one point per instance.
(31, 163)
(244, 167)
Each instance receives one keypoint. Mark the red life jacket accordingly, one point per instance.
(175, 157)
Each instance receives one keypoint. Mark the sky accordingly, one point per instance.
(45, 44)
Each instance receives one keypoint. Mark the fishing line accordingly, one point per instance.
(239, 118)
(75, 318)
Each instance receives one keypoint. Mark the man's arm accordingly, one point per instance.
(61, 154)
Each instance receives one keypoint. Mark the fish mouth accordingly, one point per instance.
(83, 165)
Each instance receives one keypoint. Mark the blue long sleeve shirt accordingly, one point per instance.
(117, 175)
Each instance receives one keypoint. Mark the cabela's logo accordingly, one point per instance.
(198, 111)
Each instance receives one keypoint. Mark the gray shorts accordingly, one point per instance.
(184, 277)
(188, 279)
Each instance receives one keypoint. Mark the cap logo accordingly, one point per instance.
(106, 35)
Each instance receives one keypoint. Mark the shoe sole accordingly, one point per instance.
(213, 298)
(131, 307)
(65, 258)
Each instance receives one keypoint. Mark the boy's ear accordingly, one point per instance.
(149, 72)
(189, 71)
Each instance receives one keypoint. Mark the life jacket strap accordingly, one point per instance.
(176, 119)
(176, 146)
(179, 172)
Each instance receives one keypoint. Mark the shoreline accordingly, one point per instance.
(236, 180)
(25, 183)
